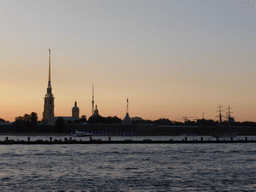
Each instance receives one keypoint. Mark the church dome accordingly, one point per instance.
(95, 118)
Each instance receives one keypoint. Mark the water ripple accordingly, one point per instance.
(135, 167)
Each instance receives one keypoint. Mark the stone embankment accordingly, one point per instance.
(71, 140)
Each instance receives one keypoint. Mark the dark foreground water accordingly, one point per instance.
(128, 167)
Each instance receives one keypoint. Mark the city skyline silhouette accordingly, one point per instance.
(173, 59)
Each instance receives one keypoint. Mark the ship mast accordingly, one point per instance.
(219, 110)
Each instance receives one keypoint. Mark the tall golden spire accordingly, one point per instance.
(49, 80)
(49, 88)
(48, 113)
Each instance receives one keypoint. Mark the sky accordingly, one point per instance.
(170, 58)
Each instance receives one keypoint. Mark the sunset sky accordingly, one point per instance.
(171, 58)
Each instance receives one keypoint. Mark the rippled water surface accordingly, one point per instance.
(128, 167)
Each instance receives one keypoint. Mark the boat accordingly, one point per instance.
(224, 135)
(81, 134)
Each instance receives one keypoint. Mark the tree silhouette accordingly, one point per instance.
(60, 124)
(27, 123)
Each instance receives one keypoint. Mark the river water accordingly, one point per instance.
(128, 167)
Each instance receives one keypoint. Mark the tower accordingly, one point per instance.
(75, 111)
(48, 113)
(92, 99)
(127, 119)
(96, 112)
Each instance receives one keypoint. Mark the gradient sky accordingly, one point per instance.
(171, 58)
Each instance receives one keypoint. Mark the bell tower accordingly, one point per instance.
(48, 113)
(75, 111)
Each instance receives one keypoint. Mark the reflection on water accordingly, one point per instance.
(128, 167)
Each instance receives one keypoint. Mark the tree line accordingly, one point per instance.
(29, 122)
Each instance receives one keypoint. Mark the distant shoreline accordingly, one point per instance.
(35, 134)
(106, 135)
(63, 134)
(69, 135)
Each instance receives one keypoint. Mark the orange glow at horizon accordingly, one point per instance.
(171, 58)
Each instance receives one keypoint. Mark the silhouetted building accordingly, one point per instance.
(75, 111)
(48, 113)
(231, 120)
(95, 118)
(75, 116)
(66, 119)
(127, 119)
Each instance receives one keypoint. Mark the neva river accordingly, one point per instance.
(128, 167)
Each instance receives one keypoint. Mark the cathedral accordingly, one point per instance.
(48, 113)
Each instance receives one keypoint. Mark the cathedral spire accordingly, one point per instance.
(127, 104)
(48, 113)
(92, 99)
(49, 80)
(49, 88)
(127, 119)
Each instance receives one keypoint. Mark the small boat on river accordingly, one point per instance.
(224, 135)
(81, 134)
